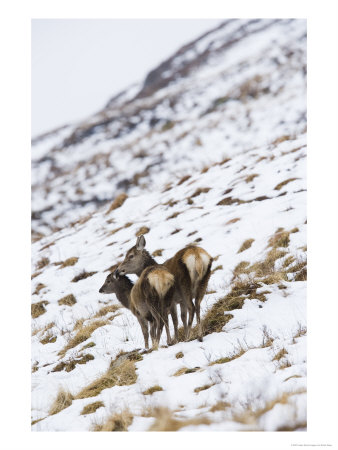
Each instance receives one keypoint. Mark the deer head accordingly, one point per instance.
(136, 259)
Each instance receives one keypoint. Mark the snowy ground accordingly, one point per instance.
(247, 179)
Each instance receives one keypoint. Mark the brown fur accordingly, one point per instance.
(149, 299)
(191, 268)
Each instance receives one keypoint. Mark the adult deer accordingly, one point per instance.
(191, 268)
(149, 299)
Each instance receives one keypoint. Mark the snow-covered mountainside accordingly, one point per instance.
(211, 150)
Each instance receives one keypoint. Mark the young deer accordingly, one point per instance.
(149, 299)
(191, 268)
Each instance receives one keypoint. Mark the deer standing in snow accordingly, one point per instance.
(191, 268)
(149, 299)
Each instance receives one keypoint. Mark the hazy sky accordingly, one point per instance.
(79, 64)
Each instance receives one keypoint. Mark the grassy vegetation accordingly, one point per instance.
(246, 244)
(91, 408)
(183, 179)
(68, 300)
(119, 200)
(251, 416)
(42, 263)
(279, 355)
(37, 309)
(219, 406)
(142, 230)
(179, 355)
(203, 388)
(70, 365)
(251, 177)
(83, 275)
(38, 288)
(120, 373)
(116, 422)
(185, 371)
(152, 389)
(63, 400)
(231, 221)
(84, 333)
(48, 338)
(283, 183)
(107, 310)
(68, 262)
(89, 345)
(165, 421)
(232, 357)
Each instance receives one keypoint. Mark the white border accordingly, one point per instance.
(322, 207)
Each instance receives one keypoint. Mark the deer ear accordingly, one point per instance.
(140, 243)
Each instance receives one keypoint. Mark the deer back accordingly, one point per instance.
(153, 290)
(189, 266)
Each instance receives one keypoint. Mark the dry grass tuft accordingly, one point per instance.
(118, 202)
(220, 267)
(179, 355)
(82, 335)
(116, 422)
(49, 338)
(91, 408)
(183, 179)
(185, 371)
(82, 276)
(157, 252)
(283, 183)
(35, 274)
(281, 238)
(232, 357)
(231, 221)
(200, 191)
(63, 400)
(38, 288)
(279, 355)
(240, 269)
(107, 310)
(246, 244)
(122, 374)
(142, 230)
(68, 300)
(174, 215)
(42, 263)
(219, 406)
(68, 262)
(37, 309)
(152, 389)
(251, 177)
(230, 201)
(177, 230)
(165, 421)
(70, 365)
(203, 388)
(251, 416)
(89, 345)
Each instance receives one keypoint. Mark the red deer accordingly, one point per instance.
(191, 268)
(149, 299)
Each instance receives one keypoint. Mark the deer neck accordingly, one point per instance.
(123, 292)
(148, 260)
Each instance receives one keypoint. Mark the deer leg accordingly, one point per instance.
(173, 312)
(156, 332)
(144, 327)
(199, 325)
(199, 297)
(191, 309)
(184, 313)
(166, 324)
